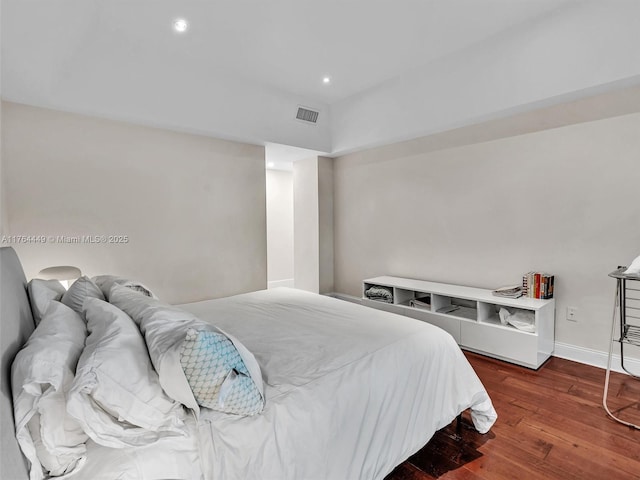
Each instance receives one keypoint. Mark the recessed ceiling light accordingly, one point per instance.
(180, 25)
(326, 79)
(271, 164)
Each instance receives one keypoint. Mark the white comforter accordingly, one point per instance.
(350, 391)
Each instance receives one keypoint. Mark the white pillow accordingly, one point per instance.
(81, 289)
(41, 292)
(165, 330)
(40, 375)
(116, 395)
(634, 268)
(105, 282)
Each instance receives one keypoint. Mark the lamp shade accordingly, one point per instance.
(63, 273)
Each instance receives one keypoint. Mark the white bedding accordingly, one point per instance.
(170, 458)
(350, 392)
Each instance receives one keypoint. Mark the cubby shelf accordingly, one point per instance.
(470, 315)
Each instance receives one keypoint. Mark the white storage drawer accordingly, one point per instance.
(506, 343)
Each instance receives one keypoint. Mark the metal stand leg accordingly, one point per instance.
(617, 303)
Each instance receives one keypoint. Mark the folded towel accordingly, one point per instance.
(382, 294)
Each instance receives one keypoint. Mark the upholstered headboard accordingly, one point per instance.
(16, 324)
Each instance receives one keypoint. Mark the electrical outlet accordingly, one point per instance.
(572, 314)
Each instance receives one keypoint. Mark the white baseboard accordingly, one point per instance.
(280, 283)
(595, 358)
(588, 356)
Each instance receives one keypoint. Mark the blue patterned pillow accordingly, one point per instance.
(217, 375)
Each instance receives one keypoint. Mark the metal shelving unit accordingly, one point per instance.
(627, 310)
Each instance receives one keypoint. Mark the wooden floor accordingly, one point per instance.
(551, 425)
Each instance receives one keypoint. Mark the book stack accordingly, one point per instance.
(514, 291)
(537, 285)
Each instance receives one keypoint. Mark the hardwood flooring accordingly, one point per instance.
(551, 425)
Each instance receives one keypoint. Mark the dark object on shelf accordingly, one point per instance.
(422, 302)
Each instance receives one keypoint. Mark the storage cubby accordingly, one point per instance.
(489, 313)
(367, 285)
(471, 316)
(402, 296)
(421, 301)
(456, 307)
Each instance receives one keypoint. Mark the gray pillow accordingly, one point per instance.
(78, 292)
(106, 282)
(41, 292)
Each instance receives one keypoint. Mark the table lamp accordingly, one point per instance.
(64, 274)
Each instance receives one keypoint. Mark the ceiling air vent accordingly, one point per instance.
(307, 115)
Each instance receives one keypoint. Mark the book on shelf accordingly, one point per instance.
(525, 285)
(537, 285)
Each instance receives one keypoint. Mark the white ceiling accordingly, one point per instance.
(243, 66)
(287, 44)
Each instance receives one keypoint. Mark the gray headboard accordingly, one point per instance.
(16, 324)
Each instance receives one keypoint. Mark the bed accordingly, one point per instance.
(349, 392)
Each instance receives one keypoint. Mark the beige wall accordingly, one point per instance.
(325, 223)
(306, 260)
(4, 212)
(313, 224)
(279, 226)
(562, 201)
(193, 207)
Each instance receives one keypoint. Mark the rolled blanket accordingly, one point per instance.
(381, 294)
